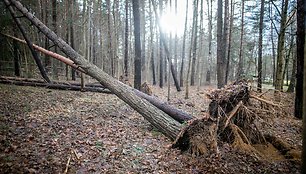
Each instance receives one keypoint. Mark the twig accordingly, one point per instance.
(264, 93)
(265, 101)
(76, 155)
(233, 112)
(67, 164)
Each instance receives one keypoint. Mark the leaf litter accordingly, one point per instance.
(53, 131)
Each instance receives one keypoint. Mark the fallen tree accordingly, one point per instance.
(163, 122)
(175, 113)
(229, 119)
(29, 43)
(61, 86)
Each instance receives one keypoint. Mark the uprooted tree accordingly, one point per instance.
(229, 115)
(156, 117)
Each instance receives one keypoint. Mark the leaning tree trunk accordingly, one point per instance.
(156, 117)
(29, 43)
(173, 112)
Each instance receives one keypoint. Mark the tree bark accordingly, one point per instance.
(209, 12)
(293, 74)
(229, 49)
(225, 36)
(126, 40)
(152, 47)
(16, 56)
(220, 61)
(157, 118)
(301, 4)
(195, 43)
(137, 60)
(55, 64)
(73, 73)
(262, 8)
(184, 47)
(240, 71)
(280, 48)
(300, 43)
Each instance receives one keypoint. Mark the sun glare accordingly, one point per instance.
(174, 23)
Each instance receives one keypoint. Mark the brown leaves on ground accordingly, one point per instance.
(40, 129)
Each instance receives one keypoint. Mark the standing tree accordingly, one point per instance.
(191, 48)
(73, 73)
(229, 49)
(126, 40)
(54, 25)
(161, 57)
(195, 42)
(184, 47)
(300, 43)
(301, 12)
(240, 59)
(209, 14)
(225, 39)
(152, 46)
(262, 6)
(137, 60)
(280, 47)
(220, 61)
(16, 55)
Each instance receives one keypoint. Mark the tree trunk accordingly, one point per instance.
(157, 118)
(195, 43)
(73, 73)
(293, 74)
(16, 56)
(109, 41)
(48, 62)
(152, 47)
(126, 41)
(225, 37)
(161, 57)
(142, 16)
(302, 11)
(280, 47)
(184, 47)
(73, 87)
(240, 71)
(229, 41)
(137, 60)
(200, 66)
(55, 64)
(209, 12)
(300, 43)
(262, 8)
(191, 49)
(29, 43)
(288, 55)
(220, 61)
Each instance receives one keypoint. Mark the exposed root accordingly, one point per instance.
(265, 101)
(232, 119)
(199, 137)
(232, 113)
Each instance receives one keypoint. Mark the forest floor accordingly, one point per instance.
(49, 131)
